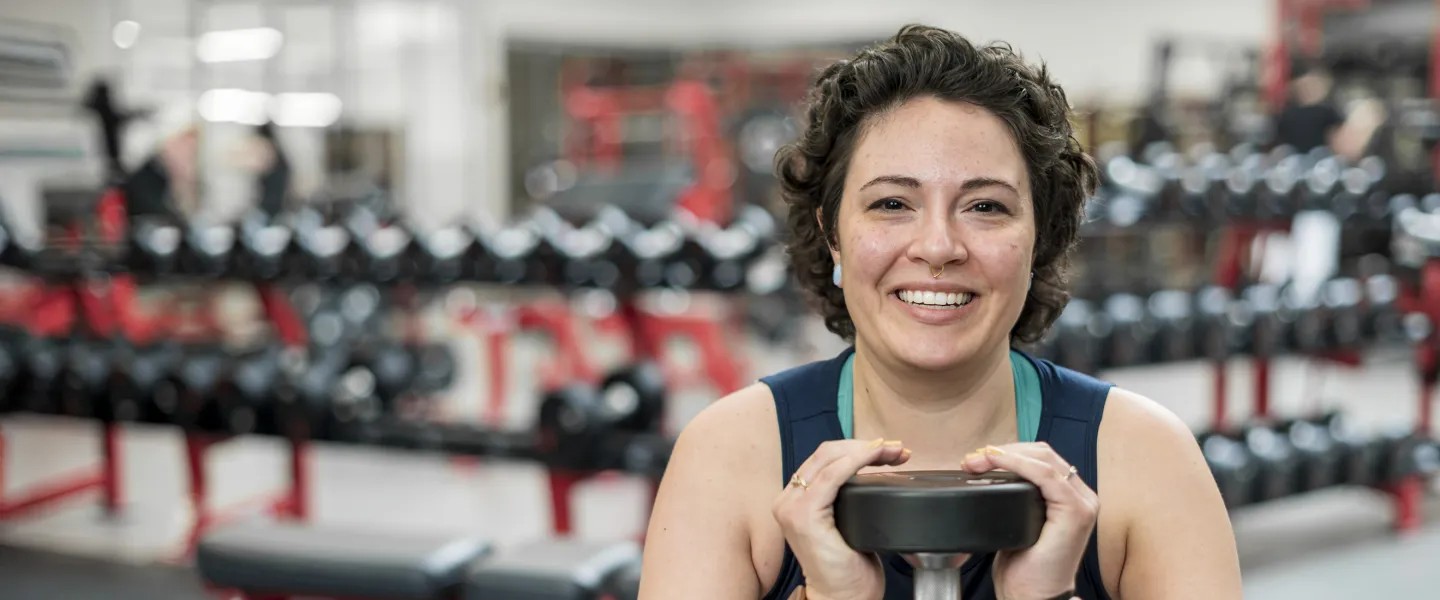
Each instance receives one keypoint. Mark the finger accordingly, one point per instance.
(825, 484)
(1052, 482)
(872, 452)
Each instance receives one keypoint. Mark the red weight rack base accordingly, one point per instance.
(291, 503)
(562, 489)
(107, 478)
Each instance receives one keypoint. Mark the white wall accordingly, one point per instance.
(414, 50)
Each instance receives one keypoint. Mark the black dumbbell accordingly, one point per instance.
(1243, 189)
(688, 265)
(379, 251)
(262, 248)
(634, 397)
(185, 397)
(1359, 455)
(439, 256)
(435, 369)
(1234, 468)
(1081, 335)
(505, 254)
(1340, 299)
(1222, 323)
(154, 246)
(12, 345)
(306, 392)
(1321, 458)
(1381, 318)
(734, 248)
(207, 250)
(1279, 198)
(244, 401)
(42, 362)
(1307, 320)
(641, 254)
(135, 379)
(392, 368)
(317, 251)
(936, 519)
(1404, 453)
(1132, 336)
(83, 375)
(1278, 463)
(1174, 320)
(1322, 183)
(1270, 325)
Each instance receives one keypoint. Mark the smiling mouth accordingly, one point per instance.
(935, 299)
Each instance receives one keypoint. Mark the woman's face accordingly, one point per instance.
(931, 184)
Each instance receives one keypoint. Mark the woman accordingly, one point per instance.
(935, 197)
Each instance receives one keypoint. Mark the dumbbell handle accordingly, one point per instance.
(937, 576)
(937, 584)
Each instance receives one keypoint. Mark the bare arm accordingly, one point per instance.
(1178, 544)
(698, 542)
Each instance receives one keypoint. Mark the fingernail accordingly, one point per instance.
(972, 456)
(993, 451)
(892, 444)
(905, 453)
(877, 442)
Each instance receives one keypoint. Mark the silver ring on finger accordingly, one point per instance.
(1070, 473)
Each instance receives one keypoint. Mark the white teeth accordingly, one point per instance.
(935, 298)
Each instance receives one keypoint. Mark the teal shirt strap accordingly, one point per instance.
(1027, 397)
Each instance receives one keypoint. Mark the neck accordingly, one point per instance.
(941, 416)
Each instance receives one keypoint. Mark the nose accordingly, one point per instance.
(938, 241)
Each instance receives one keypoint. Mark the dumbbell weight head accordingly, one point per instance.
(634, 397)
(1081, 334)
(435, 369)
(1340, 300)
(1404, 453)
(244, 398)
(188, 391)
(439, 256)
(571, 425)
(154, 246)
(1222, 323)
(43, 360)
(317, 251)
(135, 379)
(11, 345)
(262, 249)
(207, 250)
(1307, 320)
(1278, 198)
(83, 376)
(1381, 320)
(1174, 319)
(1278, 463)
(1132, 336)
(1319, 456)
(1232, 465)
(935, 519)
(1359, 455)
(1269, 330)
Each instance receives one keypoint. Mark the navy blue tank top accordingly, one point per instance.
(1069, 421)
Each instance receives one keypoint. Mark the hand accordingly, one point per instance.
(1048, 568)
(833, 570)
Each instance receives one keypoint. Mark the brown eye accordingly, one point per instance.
(888, 204)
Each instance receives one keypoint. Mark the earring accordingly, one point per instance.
(835, 276)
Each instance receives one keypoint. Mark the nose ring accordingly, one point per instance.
(936, 271)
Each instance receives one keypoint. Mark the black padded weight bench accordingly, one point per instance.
(276, 561)
(558, 570)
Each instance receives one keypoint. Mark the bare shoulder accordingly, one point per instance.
(712, 496)
(1165, 531)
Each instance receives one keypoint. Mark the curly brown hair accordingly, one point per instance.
(922, 61)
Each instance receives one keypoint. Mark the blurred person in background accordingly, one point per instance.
(1309, 120)
(935, 197)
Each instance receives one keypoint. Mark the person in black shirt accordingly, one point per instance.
(1309, 121)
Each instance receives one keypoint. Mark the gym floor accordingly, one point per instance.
(1330, 544)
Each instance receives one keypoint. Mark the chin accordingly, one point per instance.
(933, 350)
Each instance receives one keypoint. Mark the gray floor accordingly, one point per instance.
(1334, 544)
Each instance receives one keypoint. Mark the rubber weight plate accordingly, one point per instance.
(939, 512)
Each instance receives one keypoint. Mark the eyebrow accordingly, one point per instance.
(913, 183)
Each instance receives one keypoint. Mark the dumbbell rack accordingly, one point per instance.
(105, 306)
(644, 334)
(1235, 241)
